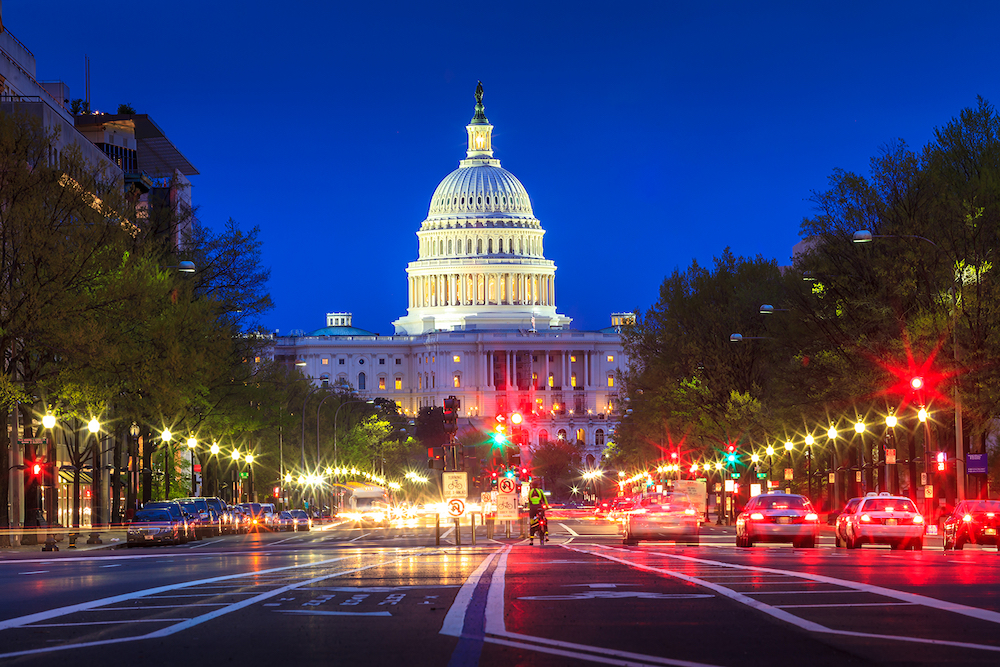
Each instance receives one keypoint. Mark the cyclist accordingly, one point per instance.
(536, 511)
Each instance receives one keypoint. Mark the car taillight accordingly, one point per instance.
(689, 512)
(990, 514)
(757, 516)
(967, 518)
(918, 519)
(812, 517)
(865, 518)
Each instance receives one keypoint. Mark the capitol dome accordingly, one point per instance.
(480, 254)
(484, 191)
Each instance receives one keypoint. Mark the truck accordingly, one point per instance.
(367, 504)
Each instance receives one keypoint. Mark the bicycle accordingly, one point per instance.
(540, 525)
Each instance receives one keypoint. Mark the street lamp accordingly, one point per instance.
(192, 443)
(859, 478)
(809, 440)
(96, 495)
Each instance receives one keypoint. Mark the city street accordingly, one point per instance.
(377, 595)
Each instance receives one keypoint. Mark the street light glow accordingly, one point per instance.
(832, 433)
(192, 443)
(236, 455)
(789, 445)
(93, 425)
(810, 440)
(214, 448)
(922, 415)
(249, 458)
(48, 421)
(859, 427)
(770, 450)
(891, 421)
(165, 436)
(754, 457)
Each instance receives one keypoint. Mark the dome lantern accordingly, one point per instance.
(480, 131)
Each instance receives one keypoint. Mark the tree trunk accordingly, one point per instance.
(5, 458)
(115, 514)
(147, 468)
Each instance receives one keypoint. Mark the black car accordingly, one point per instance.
(177, 514)
(209, 517)
(152, 526)
(973, 522)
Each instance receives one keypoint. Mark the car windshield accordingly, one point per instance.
(782, 503)
(147, 516)
(300, 514)
(979, 506)
(889, 505)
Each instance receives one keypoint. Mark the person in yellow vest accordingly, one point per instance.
(536, 511)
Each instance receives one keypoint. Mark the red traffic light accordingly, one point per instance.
(916, 383)
(36, 469)
(516, 418)
(942, 460)
(730, 448)
(493, 474)
(673, 455)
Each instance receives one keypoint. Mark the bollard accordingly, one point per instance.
(72, 540)
(437, 530)
(95, 538)
(458, 533)
(507, 529)
(472, 515)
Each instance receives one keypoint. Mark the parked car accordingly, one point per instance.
(283, 521)
(663, 516)
(176, 514)
(210, 523)
(778, 517)
(885, 519)
(255, 516)
(193, 516)
(239, 518)
(973, 522)
(152, 526)
(300, 520)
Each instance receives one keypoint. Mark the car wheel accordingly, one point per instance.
(959, 544)
(809, 543)
(851, 542)
(838, 543)
(694, 540)
(948, 546)
(918, 544)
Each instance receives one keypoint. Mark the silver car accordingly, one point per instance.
(885, 519)
(662, 517)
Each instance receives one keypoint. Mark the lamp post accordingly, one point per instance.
(214, 450)
(788, 450)
(96, 494)
(49, 422)
(890, 440)
(132, 492)
(865, 236)
(234, 495)
(192, 443)
(251, 492)
(770, 466)
(831, 436)
(165, 437)
(809, 456)
(859, 477)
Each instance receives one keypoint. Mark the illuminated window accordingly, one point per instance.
(552, 380)
(256, 360)
(572, 357)
(326, 362)
(611, 379)
(420, 382)
(381, 383)
(572, 379)
(456, 359)
(611, 358)
(399, 384)
(457, 380)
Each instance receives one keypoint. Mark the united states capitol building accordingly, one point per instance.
(481, 320)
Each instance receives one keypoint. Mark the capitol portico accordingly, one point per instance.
(481, 320)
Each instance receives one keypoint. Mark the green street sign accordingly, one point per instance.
(735, 475)
(761, 475)
(244, 475)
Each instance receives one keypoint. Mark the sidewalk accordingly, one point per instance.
(110, 538)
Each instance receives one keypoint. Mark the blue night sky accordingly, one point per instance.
(647, 134)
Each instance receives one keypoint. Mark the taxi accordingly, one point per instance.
(885, 519)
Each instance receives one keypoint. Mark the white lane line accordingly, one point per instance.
(570, 530)
(35, 572)
(856, 604)
(842, 591)
(494, 620)
(317, 612)
(157, 606)
(360, 536)
(282, 541)
(200, 595)
(197, 620)
(204, 544)
(113, 565)
(135, 620)
(454, 620)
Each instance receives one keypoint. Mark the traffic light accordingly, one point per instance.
(674, 456)
(493, 477)
(36, 469)
(916, 383)
(942, 461)
(459, 458)
(500, 431)
(451, 406)
(435, 458)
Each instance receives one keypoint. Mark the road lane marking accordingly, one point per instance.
(112, 565)
(802, 623)
(360, 536)
(187, 623)
(317, 612)
(35, 572)
(203, 544)
(855, 604)
(137, 620)
(570, 530)
(454, 620)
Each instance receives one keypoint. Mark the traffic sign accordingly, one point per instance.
(456, 484)
(789, 472)
(506, 485)
(507, 507)
(456, 508)
(890, 457)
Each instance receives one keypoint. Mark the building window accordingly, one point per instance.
(434, 383)
(611, 379)
(340, 362)
(599, 437)
(381, 384)
(561, 435)
(457, 359)
(325, 362)
(552, 380)
(420, 381)
(381, 362)
(361, 381)
(572, 358)
(580, 435)
(611, 358)
(572, 379)
(361, 361)
(457, 380)
(399, 362)
(399, 384)
(543, 437)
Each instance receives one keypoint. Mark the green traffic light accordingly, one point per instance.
(499, 438)
(731, 458)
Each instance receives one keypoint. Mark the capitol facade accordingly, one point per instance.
(481, 321)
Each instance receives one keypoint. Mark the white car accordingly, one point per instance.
(778, 517)
(885, 519)
(662, 517)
